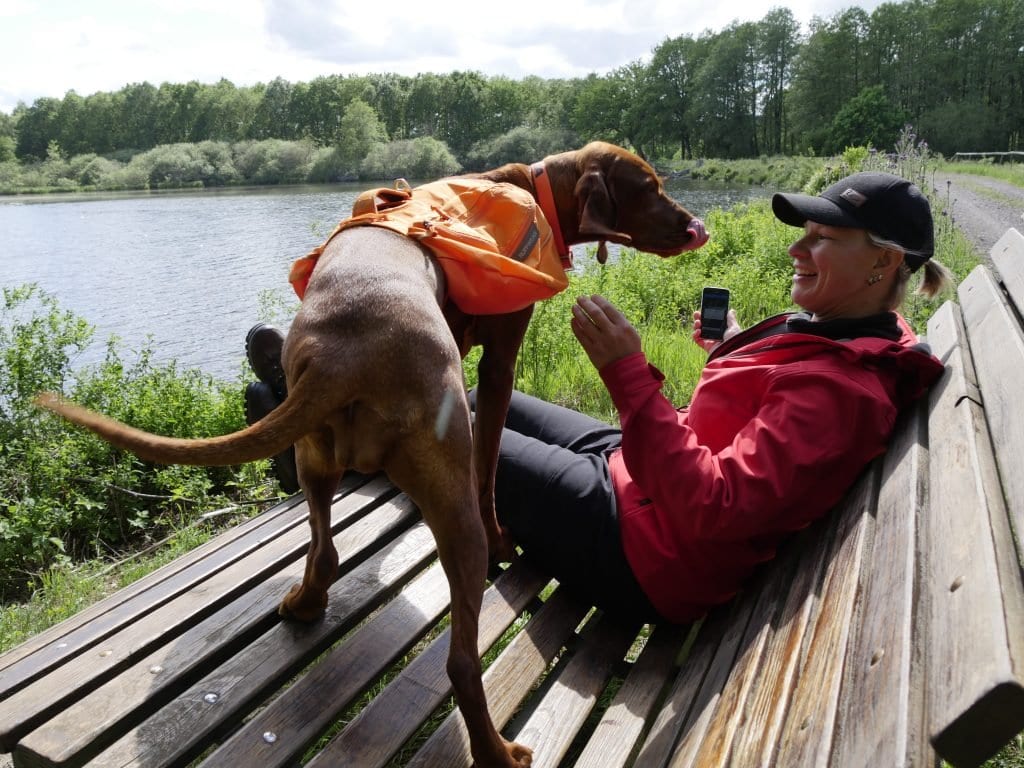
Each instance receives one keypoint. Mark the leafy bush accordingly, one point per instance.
(778, 172)
(66, 494)
(423, 158)
(520, 145)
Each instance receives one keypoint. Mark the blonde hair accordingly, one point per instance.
(936, 279)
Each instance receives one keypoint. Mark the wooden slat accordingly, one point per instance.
(1008, 256)
(749, 713)
(971, 583)
(303, 712)
(772, 677)
(90, 723)
(188, 724)
(997, 350)
(395, 714)
(624, 722)
(560, 714)
(71, 637)
(881, 703)
(808, 731)
(507, 682)
(691, 701)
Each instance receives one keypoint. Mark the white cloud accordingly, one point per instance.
(48, 47)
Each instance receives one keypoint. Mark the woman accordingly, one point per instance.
(667, 517)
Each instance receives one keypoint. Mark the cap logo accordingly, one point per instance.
(853, 197)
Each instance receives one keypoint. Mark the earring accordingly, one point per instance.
(873, 279)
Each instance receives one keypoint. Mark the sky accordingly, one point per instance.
(48, 47)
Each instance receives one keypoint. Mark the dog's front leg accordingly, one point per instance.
(501, 337)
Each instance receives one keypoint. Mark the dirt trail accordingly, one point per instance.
(982, 208)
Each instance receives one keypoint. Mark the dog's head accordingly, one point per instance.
(619, 197)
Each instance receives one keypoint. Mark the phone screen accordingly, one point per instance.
(714, 310)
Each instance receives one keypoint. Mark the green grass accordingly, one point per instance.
(1012, 173)
(65, 589)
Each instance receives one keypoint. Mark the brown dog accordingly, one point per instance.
(374, 375)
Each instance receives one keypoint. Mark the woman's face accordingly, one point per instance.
(831, 271)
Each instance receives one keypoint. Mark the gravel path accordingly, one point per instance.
(982, 208)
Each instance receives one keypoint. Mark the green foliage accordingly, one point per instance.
(776, 172)
(64, 493)
(1012, 172)
(415, 159)
(752, 89)
(869, 118)
(520, 145)
(359, 130)
(747, 254)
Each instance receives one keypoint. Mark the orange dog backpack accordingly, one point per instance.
(491, 239)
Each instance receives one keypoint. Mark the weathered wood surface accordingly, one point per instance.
(881, 699)
(972, 585)
(53, 646)
(616, 737)
(155, 663)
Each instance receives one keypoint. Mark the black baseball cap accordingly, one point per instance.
(886, 205)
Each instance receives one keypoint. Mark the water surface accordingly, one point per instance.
(189, 270)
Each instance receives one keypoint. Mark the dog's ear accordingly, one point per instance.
(602, 251)
(596, 208)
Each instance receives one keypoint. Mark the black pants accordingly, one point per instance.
(554, 493)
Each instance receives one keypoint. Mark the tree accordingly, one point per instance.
(273, 117)
(388, 94)
(778, 42)
(595, 113)
(830, 69)
(423, 106)
(727, 93)
(359, 130)
(37, 126)
(868, 119)
(671, 84)
(461, 107)
(136, 123)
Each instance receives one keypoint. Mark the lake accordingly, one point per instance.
(192, 270)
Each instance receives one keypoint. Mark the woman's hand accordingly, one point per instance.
(604, 333)
(732, 327)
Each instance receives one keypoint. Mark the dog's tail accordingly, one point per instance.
(268, 437)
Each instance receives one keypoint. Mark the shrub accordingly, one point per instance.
(423, 158)
(66, 494)
(520, 145)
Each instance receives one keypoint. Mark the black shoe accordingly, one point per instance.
(260, 400)
(263, 346)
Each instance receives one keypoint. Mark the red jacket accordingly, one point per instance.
(778, 429)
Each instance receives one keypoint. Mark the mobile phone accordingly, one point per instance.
(714, 309)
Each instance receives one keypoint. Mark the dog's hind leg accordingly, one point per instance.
(308, 601)
(440, 479)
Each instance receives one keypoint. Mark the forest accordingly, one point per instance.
(954, 69)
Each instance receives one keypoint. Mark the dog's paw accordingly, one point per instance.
(522, 756)
(302, 604)
(501, 549)
(515, 756)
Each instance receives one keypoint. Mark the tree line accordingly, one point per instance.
(952, 68)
